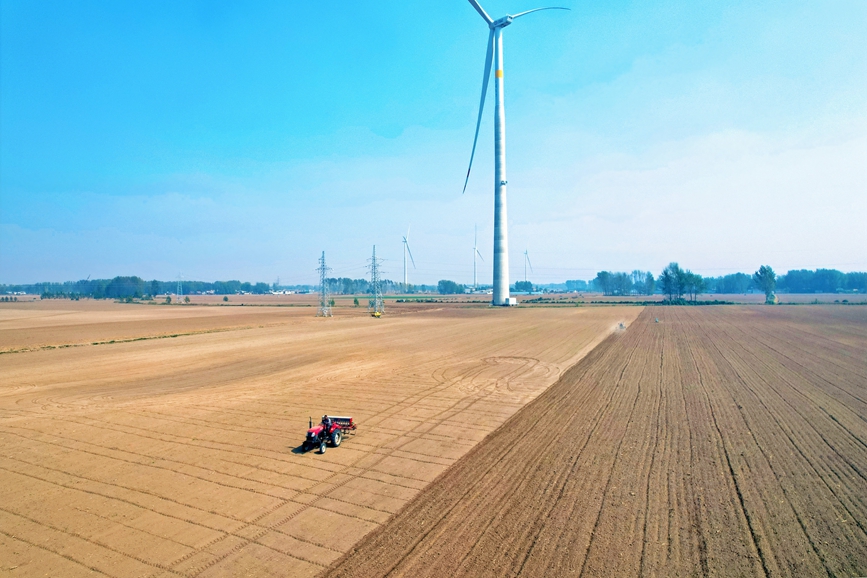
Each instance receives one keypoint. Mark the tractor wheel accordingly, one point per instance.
(336, 439)
(322, 446)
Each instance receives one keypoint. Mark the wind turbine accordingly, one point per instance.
(476, 252)
(527, 262)
(495, 54)
(405, 251)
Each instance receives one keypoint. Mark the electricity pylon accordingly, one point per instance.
(324, 302)
(375, 306)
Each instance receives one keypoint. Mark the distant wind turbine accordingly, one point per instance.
(527, 262)
(495, 54)
(405, 251)
(476, 252)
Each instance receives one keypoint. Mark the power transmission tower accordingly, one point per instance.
(324, 303)
(375, 306)
(180, 287)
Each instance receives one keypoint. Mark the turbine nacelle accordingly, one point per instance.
(494, 25)
(501, 22)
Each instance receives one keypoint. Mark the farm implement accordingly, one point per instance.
(331, 430)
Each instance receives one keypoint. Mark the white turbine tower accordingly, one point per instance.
(405, 251)
(495, 54)
(476, 252)
(527, 262)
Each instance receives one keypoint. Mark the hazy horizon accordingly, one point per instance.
(226, 141)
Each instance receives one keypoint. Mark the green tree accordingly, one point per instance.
(856, 281)
(122, 287)
(603, 282)
(524, 286)
(187, 299)
(226, 298)
(446, 287)
(766, 280)
(168, 300)
(673, 279)
(622, 283)
(649, 283)
(694, 284)
(355, 302)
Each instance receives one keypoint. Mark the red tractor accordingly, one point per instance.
(330, 430)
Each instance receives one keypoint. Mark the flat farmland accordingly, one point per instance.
(62, 323)
(171, 447)
(720, 441)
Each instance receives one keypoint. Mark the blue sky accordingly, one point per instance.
(239, 140)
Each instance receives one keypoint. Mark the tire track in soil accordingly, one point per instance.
(66, 557)
(478, 464)
(92, 541)
(431, 391)
(234, 533)
(69, 446)
(327, 495)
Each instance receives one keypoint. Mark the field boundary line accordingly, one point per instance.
(128, 339)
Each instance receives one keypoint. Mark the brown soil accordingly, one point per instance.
(179, 456)
(734, 298)
(722, 441)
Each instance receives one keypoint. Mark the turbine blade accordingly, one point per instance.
(480, 256)
(410, 256)
(482, 12)
(529, 263)
(487, 76)
(518, 15)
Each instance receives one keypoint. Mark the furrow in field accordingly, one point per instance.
(699, 445)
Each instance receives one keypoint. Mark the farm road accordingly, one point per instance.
(725, 441)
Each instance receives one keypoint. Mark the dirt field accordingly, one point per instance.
(177, 456)
(735, 298)
(721, 441)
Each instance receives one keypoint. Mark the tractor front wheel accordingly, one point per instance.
(322, 446)
(336, 438)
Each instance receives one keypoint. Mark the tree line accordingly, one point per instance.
(822, 281)
(675, 282)
(347, 286)
(615, 283)
(132, 287)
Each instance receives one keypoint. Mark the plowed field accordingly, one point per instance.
(170, 448)
(721, 441)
